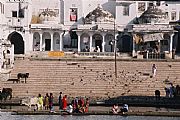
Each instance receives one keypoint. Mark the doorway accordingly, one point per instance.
(126, 43)
(18, 42)
(98, 43)
(47, 44)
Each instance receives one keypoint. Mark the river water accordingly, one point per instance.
(8, 116)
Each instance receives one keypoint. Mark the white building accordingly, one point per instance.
(78, 25)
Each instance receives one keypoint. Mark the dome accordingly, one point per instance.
(48, 13)
(153, 13)
(99, 15)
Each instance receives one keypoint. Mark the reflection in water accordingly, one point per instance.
(8, 116)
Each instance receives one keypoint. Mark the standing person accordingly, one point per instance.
(75, 105)
(154, 69)
(60, 101)
(171, 90)
(40, 102)
(46, 102)
(98, 49)
(167, 92)
(51, 102)
(87, 105)
(64, 102)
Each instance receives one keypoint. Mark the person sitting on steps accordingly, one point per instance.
(115, 109)
(124, 108)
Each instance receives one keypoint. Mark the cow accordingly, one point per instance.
(5, 93)
(29, 101)
(22, 75)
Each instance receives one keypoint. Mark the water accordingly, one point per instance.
(8, 116)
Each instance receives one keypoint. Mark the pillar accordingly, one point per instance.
(79, 40)
(170, 44)
(134, 46)
(61, 41)
(12, 56)
(51, 41)
(103, 42)
(40, 41)
(115, 41)
(90, 43)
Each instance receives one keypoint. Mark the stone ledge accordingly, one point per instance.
(133, 113)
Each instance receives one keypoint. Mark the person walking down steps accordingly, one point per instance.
(154, 69)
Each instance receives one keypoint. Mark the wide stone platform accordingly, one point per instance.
(100, 110)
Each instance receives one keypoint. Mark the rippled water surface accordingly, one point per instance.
(8, 116)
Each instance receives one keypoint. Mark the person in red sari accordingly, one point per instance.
(64, 102)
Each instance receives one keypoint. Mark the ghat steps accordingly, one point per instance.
(91, 77)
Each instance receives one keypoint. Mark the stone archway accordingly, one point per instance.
(97, 41)
(109, 46)
(56, 41)
(85, 42)
(18, 42)
(36, 41)
(126, 43)
(46, 41)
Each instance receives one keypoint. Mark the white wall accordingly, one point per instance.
(72, 4)
(14, 6)
(1, 18)
(123, 20)
(173, 6)
(90, 5)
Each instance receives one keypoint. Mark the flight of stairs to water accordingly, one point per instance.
(91, 78)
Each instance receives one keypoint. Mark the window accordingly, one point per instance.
(158, 3)
(1, 8)
(141, 6)
(166, 14)
(56, 11)
(74, 39)
(73, 14)
(164, 42)
(126, 10)
(151, 4)
(74, 43)
(57, 41)
(21, 13)
(14, 13)
(173, 15)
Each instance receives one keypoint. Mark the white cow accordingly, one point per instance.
(29, 101)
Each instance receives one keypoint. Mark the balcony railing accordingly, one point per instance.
(160, 55)
(96, 53)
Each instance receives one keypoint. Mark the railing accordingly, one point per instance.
(96, 53)
(145, 55)
(154, 55)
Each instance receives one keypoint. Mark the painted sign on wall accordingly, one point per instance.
(55, 53)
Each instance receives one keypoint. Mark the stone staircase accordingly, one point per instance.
(91, 77)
